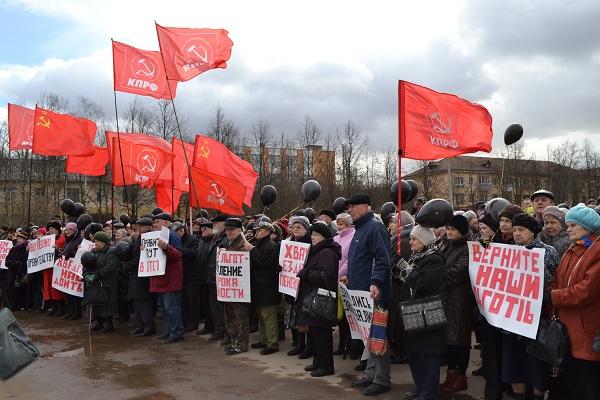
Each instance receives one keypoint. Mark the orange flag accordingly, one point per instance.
(217, 192)
(94, 165)
(62, 134)
(140, 72)
(20, 127)
(188, 52)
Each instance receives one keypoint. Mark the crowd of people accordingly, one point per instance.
(389, 256)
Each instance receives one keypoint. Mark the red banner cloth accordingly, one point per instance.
(167, 198)
(94, 165)
(20, 127)
(188, 52)
(217, 192)
(62, 134)
(436, 125)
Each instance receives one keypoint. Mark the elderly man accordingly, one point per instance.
(204, 242)
(216, 308)
(190, 305)
(369, 269)
(541, 199)
(169, 285)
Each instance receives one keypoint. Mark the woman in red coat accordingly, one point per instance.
(575, 295)
(54, 297)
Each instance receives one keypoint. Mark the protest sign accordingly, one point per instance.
(233, 276)
(41, 254)
(358, 306)
(84, 246)
(66, 276)
(153, 260)
(292, 256)
(5, 246)
(508, 283)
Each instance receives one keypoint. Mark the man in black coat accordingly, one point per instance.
(139, 287)
(216, 308)
(190, 306)
(264, 275)
(204, 236)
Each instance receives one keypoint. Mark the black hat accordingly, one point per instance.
(322, 228)
(118, 225)
(233, 223)
(220, 218)
(54, 224)
(460, 223)
(510, 211)
(480, 205)
(157, 211)
(489, 221)
(144, 221)
(327, 212)
(542, 192)
(359, 198)
(164, 216)
(527, 221)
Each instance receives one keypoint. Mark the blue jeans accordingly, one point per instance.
(425, 370)
(170, 303)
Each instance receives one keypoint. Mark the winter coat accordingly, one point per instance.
(189, 252)
(369, 258)
(560, 242)
(106, 271)
(172, 280)
(49, 292)
(551, 259)
(264, 273)
(428, 278)
(70, 247)
(576, 297)
(16, 261)
(459, 302)
(344, 238)
(202, 260)
(320, 271)
(138, 287)
(217, 242)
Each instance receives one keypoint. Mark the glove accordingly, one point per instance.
(90, 278)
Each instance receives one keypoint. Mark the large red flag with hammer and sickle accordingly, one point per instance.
(436, 125)
(216, 192)
(188, 52)
(62, 134)
(140, 72)
(20, 127)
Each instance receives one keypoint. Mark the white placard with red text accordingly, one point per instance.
(233, 276)
(66, 276)
(153, 260)
(292, 256)
(5, 246)
(508, 283)
(84, 246)
(41, 254)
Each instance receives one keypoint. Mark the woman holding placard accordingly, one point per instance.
(55, 298)
(72, 241)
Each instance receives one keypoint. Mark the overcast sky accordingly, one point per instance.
(535, 62)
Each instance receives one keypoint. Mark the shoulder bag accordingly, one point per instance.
(323, 307)
(96, 295)
(551, 344)
(423, 315)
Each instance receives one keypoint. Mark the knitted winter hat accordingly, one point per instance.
(344, 217)
(489, 221)
(322, 229)
(102, 237)
(460, 223)
(527, 221)
(72, 226)
(423, 235)
(510, 211)
(300, 219)
(554, 211)
(584, 216)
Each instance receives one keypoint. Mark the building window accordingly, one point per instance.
(73, 194)
(458, 181)
(10, 194)
(485, 179)
(39, 191)
(460, 199)
(470, 180)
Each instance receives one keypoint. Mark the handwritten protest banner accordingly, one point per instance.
(292, 256)
(5, 246)
(66, 276)
(358, 306)
(508, 283)
(41, 254)
(84, 246)
(233, 276)
(153, 260)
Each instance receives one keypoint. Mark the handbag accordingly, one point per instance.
(323, 307)
(96, 295)
(423, 315)
(16, 350)
(551, 344)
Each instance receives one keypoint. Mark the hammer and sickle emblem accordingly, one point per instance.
(44, 121)
(204, 151)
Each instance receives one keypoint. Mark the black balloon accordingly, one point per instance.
(494, 206)
(339, 205)
(83, 221)
(67, 206)
(435, 213)
(512, 134)
(394, 193)
(268, 194)
(124, 218)
(78, 210)
(311, 190)
(88, 260)
(310, 214)
(91, 229)
(406, 193)
(414, 190)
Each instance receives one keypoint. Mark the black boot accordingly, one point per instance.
(60, 308)
(51, 308)
(281, 328)
(99, 325)
(108, 325)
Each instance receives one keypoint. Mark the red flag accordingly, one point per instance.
(143, 158)
(178, 167)
(214, 157)
(167, 198)
(140, 72)
(20, 127)
(188, 52)
(217, 192)
(94, 165)
(436, 125)
(62, 134)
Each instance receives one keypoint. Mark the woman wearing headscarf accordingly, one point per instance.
(72, 241)
(574, 294)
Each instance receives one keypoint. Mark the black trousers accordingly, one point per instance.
(491, 354)
(458, 358)
(73, 305)
(425, 370)
(216, 309)
(35, 296)
(322, 345)
(144, 312)
(583, 378)
(190, 304)
(205, 307)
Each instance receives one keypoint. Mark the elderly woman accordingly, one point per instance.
(555, 229)
(519, 368)
(345, 230)
(320, 271)
(455, 251)
(487, 228)
(72, 241)
(55, 298)
(105, 273)
(574, 293)
(425, 349)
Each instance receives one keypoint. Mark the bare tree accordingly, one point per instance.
(308, 138)
(353, 145)
(262, 141)
(225, 131)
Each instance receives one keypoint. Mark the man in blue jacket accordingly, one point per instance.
(369, 269)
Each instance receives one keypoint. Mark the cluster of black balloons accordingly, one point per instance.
(408, 189)
(311, 190)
